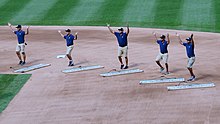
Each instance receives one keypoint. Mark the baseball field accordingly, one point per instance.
(49, 96)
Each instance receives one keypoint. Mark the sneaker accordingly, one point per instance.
(161, 70)
(23, 63)
(20, 62)
(126, 67)
(122, 66)
(71, 63)
(166, 73)
(192, 78)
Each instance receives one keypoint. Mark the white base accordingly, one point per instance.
(30, 68)
(166, 80)
(190, 86)
(61, 56)
(85, 68)
(122, 72)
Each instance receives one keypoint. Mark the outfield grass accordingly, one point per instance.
(10, 85)
(199, 15)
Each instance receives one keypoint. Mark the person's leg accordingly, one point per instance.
(19, 55)
(165, 58)
(166, 64)
(125, 51)
(158, 59)
(191, 71)
(120, 53)
(18, 49)
(189, 67)
(68, 54)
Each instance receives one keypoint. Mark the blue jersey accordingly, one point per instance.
(189, 49)
(122, 39)
(69, 39)
(163, 46)
(20, 35)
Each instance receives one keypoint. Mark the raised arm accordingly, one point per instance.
(60, 33)
(180, 41)
(75, 38)
(128, 30)
(155, 35)
(9, 24)
(108, 25)
(168, 38)
(192, 39)
(27, 30)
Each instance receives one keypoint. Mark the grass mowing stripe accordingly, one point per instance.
(3, 2)
(56, 13)
(10, 85)
(10, 9)
(139, 13)
(84, 12)
(33, 11)
(198, 15)
(111, 12)
(217, 15)
(167, 13)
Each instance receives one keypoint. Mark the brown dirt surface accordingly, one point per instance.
(52, 97)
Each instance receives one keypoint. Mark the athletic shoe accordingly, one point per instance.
(20, 62)
(122, 66)
(23, 63)
(71, 63)
(161, 70)
(192, 78)
(166, 73)
(126, 67)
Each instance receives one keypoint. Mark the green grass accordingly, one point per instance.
(198, 15)
(10, 85)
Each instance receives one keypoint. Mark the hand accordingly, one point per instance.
(154, 33)
(9, 24)
(108, 25)
(76, 33)
(59, 31)
(28, 27)
(167, 34)
(191, 35)
(177, 34)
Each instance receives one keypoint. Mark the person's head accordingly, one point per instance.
(18, 27)
(68, 31)
(120, 30)
(163, 37)
(189, 39)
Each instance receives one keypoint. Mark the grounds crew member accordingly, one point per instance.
(123, 45)
(20, 48)
(190, 54)
(70, 44)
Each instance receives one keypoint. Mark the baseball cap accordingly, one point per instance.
(121, 29)
(68, 30)
(162, 36)
(189, 39)
(18, 26)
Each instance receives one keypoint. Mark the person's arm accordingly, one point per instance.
(128, 30)
(168, 38)
(155, 35)
(108, 25)
(27, 30)
(192, 39)
(75, 38)
(9, 24)
(180, 41)
(60, 33)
